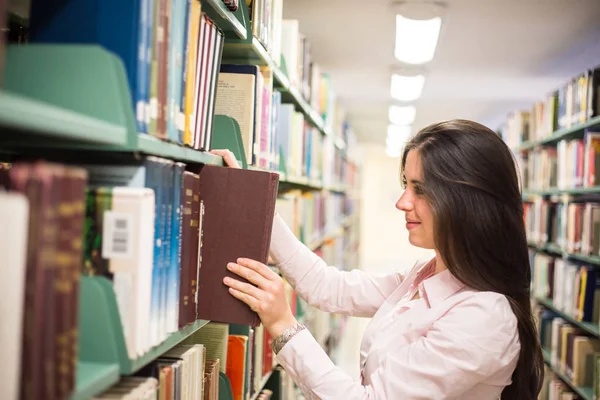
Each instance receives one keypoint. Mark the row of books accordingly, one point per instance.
(312, 215)
(283, 39)
(572, 226)
(179, 103)
(572, 287)
(572, 104)
(274, 134)
(571, 164)
(143, 227)
(172, 56)
(573, 353)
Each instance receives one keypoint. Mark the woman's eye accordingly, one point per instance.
(418, 190)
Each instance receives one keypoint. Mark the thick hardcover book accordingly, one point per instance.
(238, 217)
(40, 184)
(189, 249)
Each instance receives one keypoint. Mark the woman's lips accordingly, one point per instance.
(412, 224)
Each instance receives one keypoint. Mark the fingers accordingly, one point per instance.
(228, 157)
(244, 287)
(249, 300)
(250, 275)
(258, 267)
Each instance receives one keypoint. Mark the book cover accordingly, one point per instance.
(239, 210)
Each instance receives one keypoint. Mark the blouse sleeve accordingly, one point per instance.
(471, 344)
(325, 287)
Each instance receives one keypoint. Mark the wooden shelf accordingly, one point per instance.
(586, 393)
(565, 133)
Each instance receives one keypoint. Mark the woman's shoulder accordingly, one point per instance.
(491, 311)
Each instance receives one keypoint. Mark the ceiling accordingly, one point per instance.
(492, 57)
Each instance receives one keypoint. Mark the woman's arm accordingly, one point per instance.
(327, 288)
(471, 344)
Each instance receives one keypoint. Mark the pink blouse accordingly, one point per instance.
(451, 343)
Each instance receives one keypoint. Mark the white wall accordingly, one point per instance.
(384, 238)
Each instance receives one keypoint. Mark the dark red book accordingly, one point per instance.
(239, 207)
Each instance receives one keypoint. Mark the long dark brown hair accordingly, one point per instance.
(471, 183)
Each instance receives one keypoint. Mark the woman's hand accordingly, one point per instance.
(267, 298)
(228, 157)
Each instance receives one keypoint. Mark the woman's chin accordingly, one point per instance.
(417, 241)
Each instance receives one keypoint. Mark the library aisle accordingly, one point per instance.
(117, 220)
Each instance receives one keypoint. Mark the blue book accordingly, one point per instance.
(167, 185)
(118, 26)
(149, 27)
(174, 273)
(176, 28)
(284, 123)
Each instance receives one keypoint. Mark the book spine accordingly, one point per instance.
(175, 250)
(40, 247)
(195, 248)
(184, 69)
(142, 78)
(156, 46)
(80, 178)
(185, 299)
(153, 182)
(167, 187)
(162, 68)
(192, 59)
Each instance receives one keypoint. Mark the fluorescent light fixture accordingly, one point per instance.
(416, 39)
(402, 115)
(407, 88)
(398, 135)
(393, 152)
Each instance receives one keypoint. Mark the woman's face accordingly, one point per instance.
(419, 218)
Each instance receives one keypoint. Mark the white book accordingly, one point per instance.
(14, 219)
(128, 241)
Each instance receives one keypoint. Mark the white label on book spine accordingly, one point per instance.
(117, 235)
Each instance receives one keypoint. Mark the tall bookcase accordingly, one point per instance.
(556, 151)
(62, 102)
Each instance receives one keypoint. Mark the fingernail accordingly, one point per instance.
(240, 260)
(227, 280)
(230, 265)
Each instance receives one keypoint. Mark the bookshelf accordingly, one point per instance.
(555, 150)
(586, 326)
(564, 133)
(586, 393)
(31, 117)
(78, 102)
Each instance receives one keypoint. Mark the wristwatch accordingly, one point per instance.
(281, 340)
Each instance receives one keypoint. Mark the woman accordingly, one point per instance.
(457, 327)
